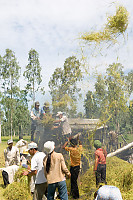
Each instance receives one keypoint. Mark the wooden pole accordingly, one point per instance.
(120, 150)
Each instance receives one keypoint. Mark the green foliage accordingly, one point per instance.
(63, 86)
(90, 105)
(129, 79)
(116, 25)
(33, 73)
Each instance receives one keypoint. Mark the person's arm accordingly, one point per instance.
(17, 157)
(64, 167)
(6, 160)
(96, 162)
(44, 164)
(66, 143)
(30, 173)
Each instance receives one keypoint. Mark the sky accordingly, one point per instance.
(53, 27)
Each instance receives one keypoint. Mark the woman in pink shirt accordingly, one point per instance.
(100, 163)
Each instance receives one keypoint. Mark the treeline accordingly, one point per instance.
(110, 101)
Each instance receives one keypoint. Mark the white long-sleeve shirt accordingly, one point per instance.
(12, 157)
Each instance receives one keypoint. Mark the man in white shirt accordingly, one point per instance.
(64, 124)
(107, 192)
(12, 162)
(37, 171)
(11, 154)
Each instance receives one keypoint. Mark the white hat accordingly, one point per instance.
(49, 146)
(9, 141)
(59, 113)
(32, 145)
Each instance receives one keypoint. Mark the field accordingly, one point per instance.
(119, 173)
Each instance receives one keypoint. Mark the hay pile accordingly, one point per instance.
(19, 189)
(119, 174)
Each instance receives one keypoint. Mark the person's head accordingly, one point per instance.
(73, 142)
(97, 144)
(46, 107)
(37, 104)
(32, 148)
(59, 114)
(49, 147)
(10, 143)
(46, 104)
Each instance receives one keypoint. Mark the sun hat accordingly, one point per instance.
(32, 145)
(49, 146)
(59, 113)
(25, 152)
(9, 141)
(97, 144)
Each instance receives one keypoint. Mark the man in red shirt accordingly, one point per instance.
(100, 163)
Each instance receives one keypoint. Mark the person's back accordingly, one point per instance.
(55, 170)
(108, 192)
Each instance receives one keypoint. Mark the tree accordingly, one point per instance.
(129, 79)
(100, 94)
(90, 105)
(10, 73)
(117, 89)
(33, 74)
(63, 86)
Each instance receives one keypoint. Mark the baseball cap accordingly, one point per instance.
(9, 141)
(59, 113)
(32, 145)
(49, 146)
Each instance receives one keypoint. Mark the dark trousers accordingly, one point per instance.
(5, 178)
(74, 186)
(40, 191)
(33, 128)
(101, 174)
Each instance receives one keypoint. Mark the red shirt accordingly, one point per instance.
(101, 154)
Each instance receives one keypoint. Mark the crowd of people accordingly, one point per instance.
(48, 169)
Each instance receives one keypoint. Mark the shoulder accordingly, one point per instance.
(42, 154)
(15, 148)
(68, 148)
(57, 155)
